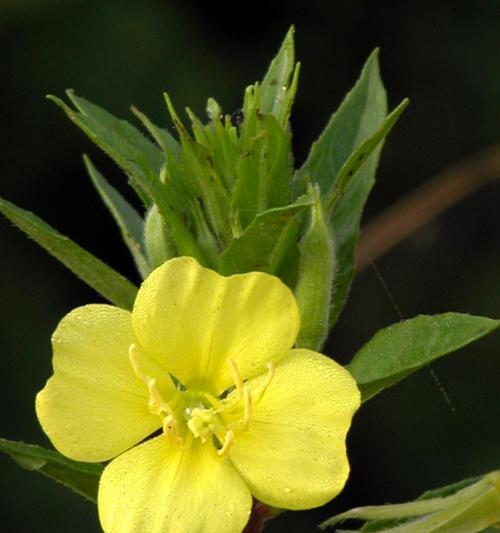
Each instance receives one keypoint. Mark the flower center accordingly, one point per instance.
(188, 414)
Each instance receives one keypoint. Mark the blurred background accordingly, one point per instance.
(443, 55)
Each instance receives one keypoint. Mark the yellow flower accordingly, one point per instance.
(208, 360)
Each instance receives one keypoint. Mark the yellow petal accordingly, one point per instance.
(192, 320)
(94, 407)
(158, 487)
(293, 454)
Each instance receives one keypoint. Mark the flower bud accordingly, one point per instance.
(316, 273)
(159, 245)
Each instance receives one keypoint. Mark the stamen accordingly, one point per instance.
(247, 405)
(133, 358)
(169, 426)
(212, 400)
(235, 375)
(156, 404)
(228, 441)
(270, 375)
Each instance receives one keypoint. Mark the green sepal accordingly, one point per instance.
(469, 506)
(157, 239)
(265, 243)
(315, 277)
(277, 91)
(126, 217)
(106, 281)
(82, 478)
(395, 352)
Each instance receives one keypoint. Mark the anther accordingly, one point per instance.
(235, 375)
(228, 441)
(133, 358)
(156, 403)
(169, 426)
(247, 406)
(269, 377)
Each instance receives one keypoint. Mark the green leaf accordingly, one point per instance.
(447, 490)
(264, 244)
(360, 114)
(138, 157)
(470, 507)
(356, 129)
(403, 348)
(264, 170)
(441, 492)
(82, 478)
(126, 217)
(106, 281)
(199, 172)
(125, 140)
(345, 221)
(219, 139)
(276, 96)
(359, 157)
(198, 168)
(162, 136)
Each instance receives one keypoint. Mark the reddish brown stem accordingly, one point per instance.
(258, 517)
(419, 207)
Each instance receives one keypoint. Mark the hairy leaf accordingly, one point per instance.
(265, 242)
(403, 348)
(82, 478)
(126, 217)
(106, 281)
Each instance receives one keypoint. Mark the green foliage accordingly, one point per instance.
(360, 114)
(280, 82)
(106, 281)
(263, 171)
(315, 277)
(157, 240)
(138, 157)
(82, 478)
(469, 506)
(265, 242)
(342, 162)
(126, 217)
(226, 193)
(357, 159)
(163, 137)
(403, 348)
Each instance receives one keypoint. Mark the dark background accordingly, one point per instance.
(443, 55)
